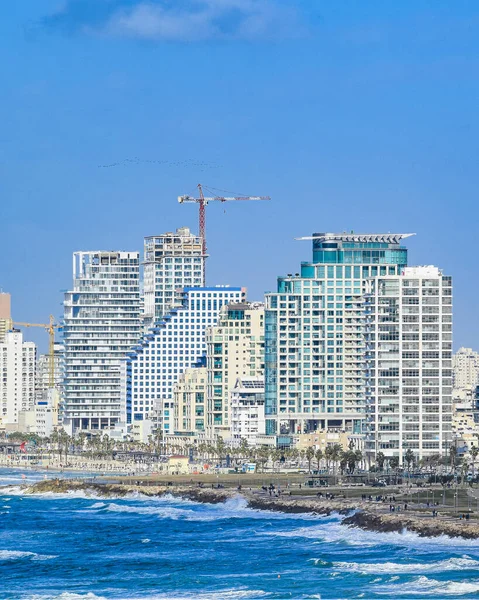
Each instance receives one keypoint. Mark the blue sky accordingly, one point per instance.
(351, 115)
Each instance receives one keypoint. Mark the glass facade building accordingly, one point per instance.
(314, 333)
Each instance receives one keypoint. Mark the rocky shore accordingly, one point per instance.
(357, 513)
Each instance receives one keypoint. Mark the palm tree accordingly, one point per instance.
(343, 461)
(464, 469)
(380, 458)
(453, 456)
(336, 452)
(394, 464)
(244, 449)
(409, 458)
(309, 456)
(262, 454)
(318, 455)
(276, 455)
(474, 451)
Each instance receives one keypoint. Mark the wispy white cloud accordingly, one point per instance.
(182, 20)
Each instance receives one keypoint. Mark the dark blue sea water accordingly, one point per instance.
(72, 547)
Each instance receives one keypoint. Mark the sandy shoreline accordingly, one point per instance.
(357, 513)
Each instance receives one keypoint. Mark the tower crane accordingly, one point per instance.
(50, 328)
(202, 201)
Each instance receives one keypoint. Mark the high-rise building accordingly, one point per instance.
(171, 346)
(101, 324)
(189, 396)
(5, 315)
(172, 261)
(17, 376)
(314, 339)
(408, 367)
(465, 364)
(235, 348)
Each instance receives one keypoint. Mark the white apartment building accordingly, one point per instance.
(47, 412)
(101, 324)
(172, 261)
(408, 362)
(17, 376)
(247, 410)
(314, 338)
(235, 348)
(465, 365)
(171, 346)
(189, 396)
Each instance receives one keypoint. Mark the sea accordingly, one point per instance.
(78, 547)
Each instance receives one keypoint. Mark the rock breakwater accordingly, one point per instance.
(357, 513)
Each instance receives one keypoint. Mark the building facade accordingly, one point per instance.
(101, 324)
(235, 348)
(189, 395)
(17, 376)
(408, 368)
(172, 261)
(43, 371)
(247, 410)
(171, 346)
(314, 339)
(5, 315)
(465, 364)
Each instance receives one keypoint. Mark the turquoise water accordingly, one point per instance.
(72, 547)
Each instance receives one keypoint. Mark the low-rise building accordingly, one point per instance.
(141, 431)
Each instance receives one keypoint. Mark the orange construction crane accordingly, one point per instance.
(50, 328)
(202, 201)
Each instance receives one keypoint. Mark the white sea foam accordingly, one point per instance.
(334, 532)
(217, 595)
(145, 541)
(451, 564)
(168, 508)
(6, 555)
(98, 505)
(423, 586)
(67, 596)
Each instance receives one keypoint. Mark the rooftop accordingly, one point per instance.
(388, 238)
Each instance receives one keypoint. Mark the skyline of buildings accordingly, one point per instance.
(357, 342)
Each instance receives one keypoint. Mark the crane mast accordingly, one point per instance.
(202, 201)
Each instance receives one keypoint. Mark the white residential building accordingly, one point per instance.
(171, 346)
(172, 261)
(101, 324)
(465, 364)
(17, 376)
(408, 362)
(47, 412)
(235, 348)
(247, 410)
